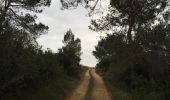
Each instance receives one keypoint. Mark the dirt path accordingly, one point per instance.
(81, 90)
(99, 90)
(96, 85)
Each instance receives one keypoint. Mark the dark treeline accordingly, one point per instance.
(135, 57)
(24, 66)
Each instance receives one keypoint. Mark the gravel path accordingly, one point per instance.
(99, 91)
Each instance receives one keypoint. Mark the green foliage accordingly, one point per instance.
(27, 71)
(24, 66)
(70, 54)
(20, 61)
(135, 57)
(140, 68)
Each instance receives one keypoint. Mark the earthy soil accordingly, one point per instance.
(99, 91)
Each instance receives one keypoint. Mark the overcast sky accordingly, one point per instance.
(59, 21)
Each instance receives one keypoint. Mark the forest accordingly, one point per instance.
(133, 57)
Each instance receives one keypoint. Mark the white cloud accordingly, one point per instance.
(60, 21)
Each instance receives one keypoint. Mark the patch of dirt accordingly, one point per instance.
(99, 90)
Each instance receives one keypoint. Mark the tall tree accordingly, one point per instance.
(70, 53)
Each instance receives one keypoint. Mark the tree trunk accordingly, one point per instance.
(131, 24)
(129, 33)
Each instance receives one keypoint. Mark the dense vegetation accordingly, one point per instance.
(135, 56)
(24, 66)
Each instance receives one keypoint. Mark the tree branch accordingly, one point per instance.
(22, 22)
